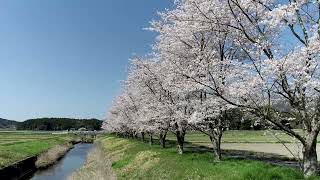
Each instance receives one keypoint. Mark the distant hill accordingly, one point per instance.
(7, 124)
(58, 124)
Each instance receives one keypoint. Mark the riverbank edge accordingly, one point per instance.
(27, 166)
(53, 155)
(98, 165)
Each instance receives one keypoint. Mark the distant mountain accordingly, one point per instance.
(58, 124)
(7, 124)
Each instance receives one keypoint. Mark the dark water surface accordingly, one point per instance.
(72, 161)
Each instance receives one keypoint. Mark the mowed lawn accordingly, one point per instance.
(134, 159)
(16, 146)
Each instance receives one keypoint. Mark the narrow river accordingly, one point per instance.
(72, 161)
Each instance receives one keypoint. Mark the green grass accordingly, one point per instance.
(16, 146)
(136, 160)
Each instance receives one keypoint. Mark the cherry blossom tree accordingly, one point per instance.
(212, 56)
(279, 72)
(238, 51)
(154, 77)
(197, 48)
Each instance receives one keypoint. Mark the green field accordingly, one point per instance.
(133, 159)
(16, 146)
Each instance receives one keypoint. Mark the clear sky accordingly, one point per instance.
(65, 58)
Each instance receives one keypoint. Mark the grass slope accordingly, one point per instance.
(136, 160)
(18, 146)
(97, 167)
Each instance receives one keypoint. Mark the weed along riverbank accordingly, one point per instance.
(56, 155)
(53, 155)
(98, 166)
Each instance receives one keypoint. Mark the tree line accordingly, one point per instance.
(58, 124)
(212, 56)
(7, 124)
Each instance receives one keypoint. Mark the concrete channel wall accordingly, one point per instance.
(19, 170)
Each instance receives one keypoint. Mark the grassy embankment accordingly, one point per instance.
(16, 146)
(97, 167)
(52, 155)
(133, 159)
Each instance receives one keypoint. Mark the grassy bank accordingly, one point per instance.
(97, 166)
(136, 160)
(16, 146)
(51, 156)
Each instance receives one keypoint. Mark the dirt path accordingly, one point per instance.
(274, 153)
(290, 150)
(275, 148)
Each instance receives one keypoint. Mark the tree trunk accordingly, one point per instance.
(180, 140)
(150, 140)
(310, 159)
(142, 136)
(162, 138)
(216, 143)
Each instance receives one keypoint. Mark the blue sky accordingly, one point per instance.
(65, 58)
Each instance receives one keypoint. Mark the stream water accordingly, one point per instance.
(72, 161)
